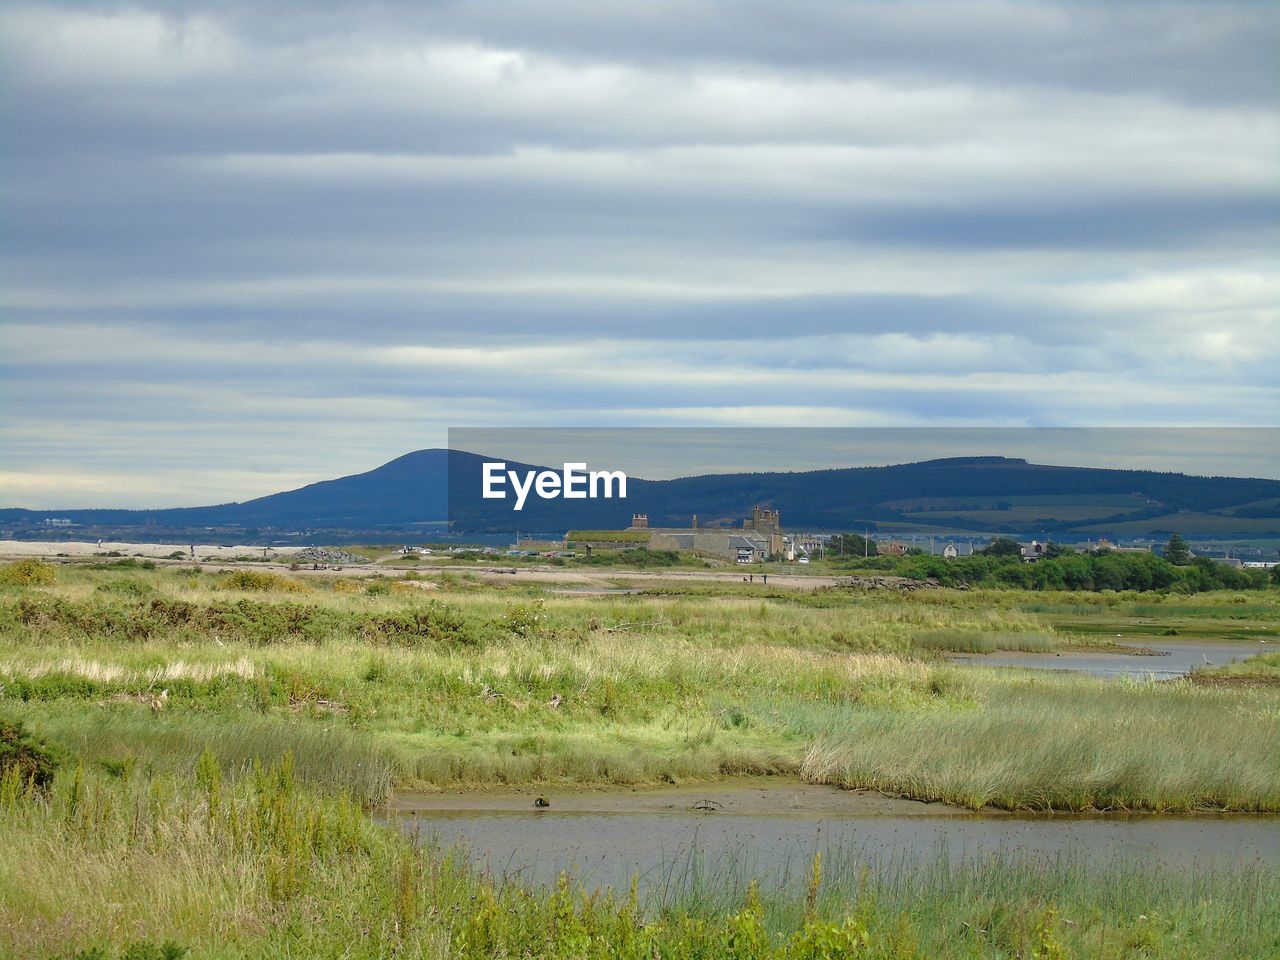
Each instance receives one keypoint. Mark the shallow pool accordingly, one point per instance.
(771, 830)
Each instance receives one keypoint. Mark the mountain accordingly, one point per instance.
(407, 490)
(979, 495)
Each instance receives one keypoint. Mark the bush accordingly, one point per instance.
(128, 563)
(262, 581)
(34, 761)
(435, 622)
(525, 619)
(125, 588)
(28, 573)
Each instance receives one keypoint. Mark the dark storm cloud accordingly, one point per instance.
(291, 236)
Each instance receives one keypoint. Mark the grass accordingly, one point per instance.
(1262, 670)
(467, 687)
(1066, 744)
(260, 865)
(978, 641)
(323, 755)
(177, 697)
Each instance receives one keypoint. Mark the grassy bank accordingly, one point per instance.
(222, 737)
(373, 683)
(1263, 670)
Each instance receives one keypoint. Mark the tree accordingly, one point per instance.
(1176, 551)
(850, 545)
(1003, 547)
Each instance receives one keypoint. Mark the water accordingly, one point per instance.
(771, 833)
(1173, 659)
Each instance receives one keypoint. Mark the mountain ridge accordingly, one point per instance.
(979, 494)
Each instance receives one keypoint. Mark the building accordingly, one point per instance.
(749, 549)
(759, 538)
(763, 520)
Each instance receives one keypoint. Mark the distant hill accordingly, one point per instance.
(978, 495)
(409, 489)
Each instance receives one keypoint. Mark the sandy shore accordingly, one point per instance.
(152, 551)
(587, 579)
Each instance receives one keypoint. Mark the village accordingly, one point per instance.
(761, 538)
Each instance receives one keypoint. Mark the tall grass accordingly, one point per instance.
(1062, 743)
(486, 687)
(223, 745)
(327, 757)
(265, 867)
(977, 641)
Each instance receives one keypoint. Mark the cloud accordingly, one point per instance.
(298, 238)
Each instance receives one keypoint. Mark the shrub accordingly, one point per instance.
(128, 563)
(28, 573)
(262, 581)
(125, 588)
(525, 619)
(435, 621)
(33, 760)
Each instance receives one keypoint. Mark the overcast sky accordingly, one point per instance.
(245, 246)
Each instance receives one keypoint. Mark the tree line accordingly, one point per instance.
(1064, 568)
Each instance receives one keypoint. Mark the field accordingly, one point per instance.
(221, 737)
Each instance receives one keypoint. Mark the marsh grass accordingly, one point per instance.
(262, 865)
(978, 641)
(1065, 743)
(1263, 669)
(328, 756)
(953, 905)
(482, 686)
(223, 747)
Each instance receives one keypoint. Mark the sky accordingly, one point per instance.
(663, 453)
(246, 246)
